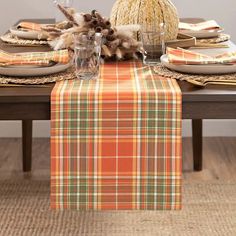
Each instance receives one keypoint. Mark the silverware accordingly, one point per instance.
(209, 45)
(213, 82)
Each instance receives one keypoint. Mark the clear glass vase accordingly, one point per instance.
(87, 53)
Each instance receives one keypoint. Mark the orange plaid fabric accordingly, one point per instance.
(34, 58)
(206, 25)
(29, 26)
(181, 56)
(116, 141)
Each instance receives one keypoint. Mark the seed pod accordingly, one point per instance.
(93, 13)
(87, 17)
(108, 24)
(111, 31)
(106, 51)
(98, 29)
(93, 23)
(110, 37)
(119, 54)
(98, 16)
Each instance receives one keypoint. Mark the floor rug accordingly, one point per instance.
(209, 209)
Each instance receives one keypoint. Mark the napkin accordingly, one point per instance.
(34, 58)
(29, 26)
(206, 25)
(181, 56)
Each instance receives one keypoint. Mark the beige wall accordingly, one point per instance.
(12, 10)
(223, 11)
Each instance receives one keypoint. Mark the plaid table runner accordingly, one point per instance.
(116, 141)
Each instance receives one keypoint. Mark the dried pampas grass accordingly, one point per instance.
(119, 40)
(127, 30)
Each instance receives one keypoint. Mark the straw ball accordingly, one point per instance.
(147, 13)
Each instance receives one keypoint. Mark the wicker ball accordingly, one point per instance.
(147, 13)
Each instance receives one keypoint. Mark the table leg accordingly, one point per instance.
(27, 144)
(197, 144)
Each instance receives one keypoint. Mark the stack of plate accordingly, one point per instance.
(206, 69)
(201, 30)
(199, 69)
(203, 34)
(31, 70)
(27, 34)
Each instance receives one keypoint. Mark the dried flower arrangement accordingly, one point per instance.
(118, 41)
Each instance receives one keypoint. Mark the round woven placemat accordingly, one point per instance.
(199, 80)
(14, 40)
(220, 39)
(66, 75)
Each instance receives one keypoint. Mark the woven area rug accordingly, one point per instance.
(209, 209)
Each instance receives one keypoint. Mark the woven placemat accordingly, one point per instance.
(199, 80)
(14, 40)
(220, 39)
(39, 80)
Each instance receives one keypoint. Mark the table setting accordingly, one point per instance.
(121, 43)
(116, 107)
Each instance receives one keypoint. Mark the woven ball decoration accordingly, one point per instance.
(147, 13)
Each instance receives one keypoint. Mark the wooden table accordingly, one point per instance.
(28, 104)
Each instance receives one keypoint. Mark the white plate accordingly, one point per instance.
(200, 34)
(199, 69)
(26, 72)
(28, 34)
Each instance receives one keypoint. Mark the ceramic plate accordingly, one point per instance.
(199, 69)
(199, 34)
(33, 71)
(27, 34)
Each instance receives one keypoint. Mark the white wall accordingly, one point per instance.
(223, 11)
(12, 10)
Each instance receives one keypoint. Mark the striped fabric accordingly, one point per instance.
(29, 26)
(116, 141)
(181, 56)
(205, 25)
(33, 58)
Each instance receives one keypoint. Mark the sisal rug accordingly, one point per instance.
(209, 209)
